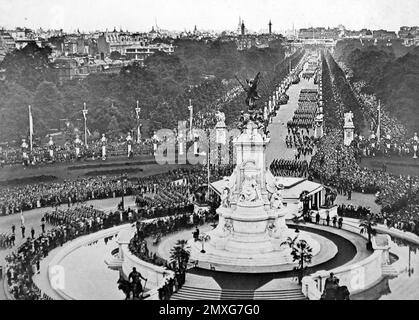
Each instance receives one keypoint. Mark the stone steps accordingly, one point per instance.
(195, 293)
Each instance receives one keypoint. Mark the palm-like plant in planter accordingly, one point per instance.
(180, 254)
(204, 238)
(301, 252)
(366, 225)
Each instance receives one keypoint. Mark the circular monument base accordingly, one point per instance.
(276, 261)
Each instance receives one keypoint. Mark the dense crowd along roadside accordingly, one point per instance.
(40, 155)
(24, 263)
(14, 199)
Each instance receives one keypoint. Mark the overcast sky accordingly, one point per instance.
(140, 15)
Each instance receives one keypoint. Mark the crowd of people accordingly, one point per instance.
(7, 240)
(289, 168)
(397, 195)
(387, 146)
(67, 225)
(14, 199)
(40, 154)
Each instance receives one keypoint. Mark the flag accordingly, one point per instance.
(88, 131)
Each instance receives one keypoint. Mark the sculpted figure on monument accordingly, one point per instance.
(228, 226)
(276, 198)
(243, 121)
(349, 117)
(250, 190)
(251, 90)
(271, 227)
(225, 198)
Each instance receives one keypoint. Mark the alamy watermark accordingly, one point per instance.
(196, 147)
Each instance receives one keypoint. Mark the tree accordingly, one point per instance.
(28, 66)
(14, 103)
(113, 126)
(47, 101)
(180, 254)
(366, 225)
(115, 55)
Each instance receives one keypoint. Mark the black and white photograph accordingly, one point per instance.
(213, 150)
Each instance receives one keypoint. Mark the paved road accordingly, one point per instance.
(278, 128)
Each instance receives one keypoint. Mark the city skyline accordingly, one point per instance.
(217, 15)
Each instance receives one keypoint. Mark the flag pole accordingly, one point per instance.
(85, 123)
(379, 122)
(30, 128)
(190, 117)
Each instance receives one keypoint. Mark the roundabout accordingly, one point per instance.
(86, 261)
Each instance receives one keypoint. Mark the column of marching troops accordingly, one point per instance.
(298, 136)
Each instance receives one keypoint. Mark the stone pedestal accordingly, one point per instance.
(318, 128)
(348, 129)
(251, 231)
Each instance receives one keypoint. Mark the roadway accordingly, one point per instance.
(278, 128)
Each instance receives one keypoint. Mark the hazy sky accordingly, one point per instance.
(140, 15)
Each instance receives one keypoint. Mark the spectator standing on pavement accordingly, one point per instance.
(340, 222)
